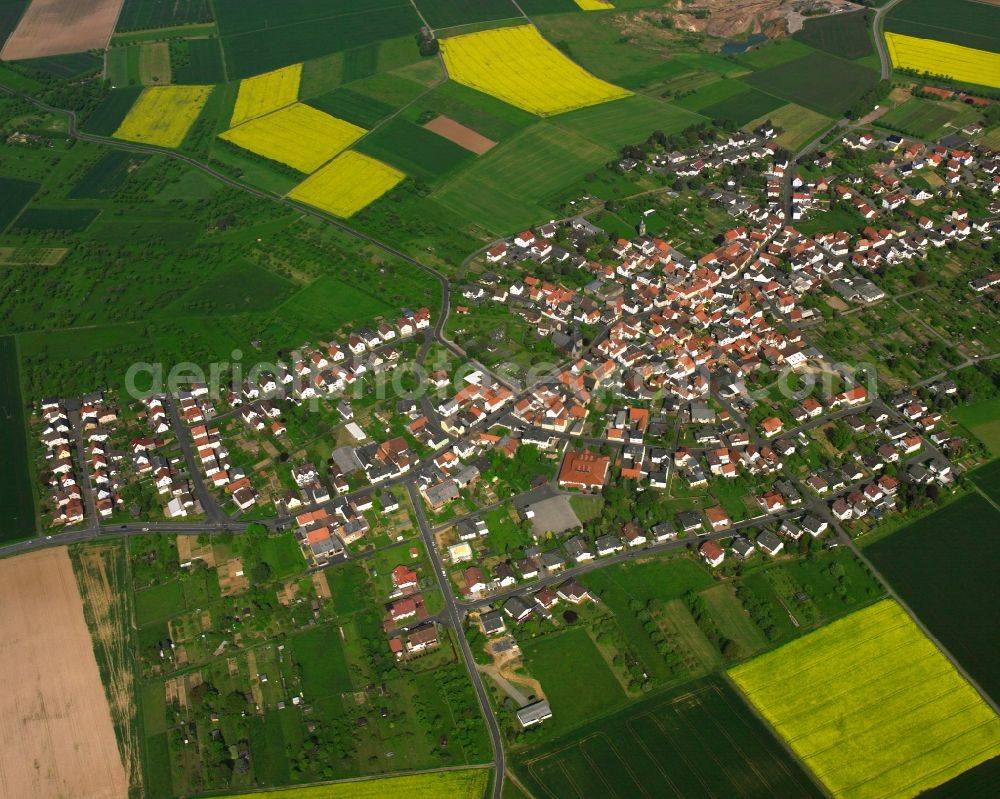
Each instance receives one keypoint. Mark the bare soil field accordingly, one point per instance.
(57, 738)
(55, 27)
(461, 135)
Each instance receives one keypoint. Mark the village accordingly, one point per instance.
(692, 379)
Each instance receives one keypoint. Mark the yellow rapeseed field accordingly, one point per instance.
(265, 93)
(298, 135)
(521, 68)
(163, 114)
(594, 5)
(872, 706)
(466, 784)
(347, 184)
(966, 64)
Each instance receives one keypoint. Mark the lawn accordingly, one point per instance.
(935, 550)
(733, 621)
(886, 714)
(320, 656)
(283, 554)
(159, 603)
(983, 419)
(694, 741)
(17, 507)
(563, 662)
(347, 587)
(836, 219)
(818, 81)
(657, 579)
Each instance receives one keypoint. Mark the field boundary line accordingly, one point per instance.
(775, 735)
(922, 627)
(984, 495)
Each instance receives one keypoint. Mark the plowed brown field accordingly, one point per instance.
(56, 734)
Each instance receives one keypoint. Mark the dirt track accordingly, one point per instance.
(56, 734)
(54, 27)
(461, 135)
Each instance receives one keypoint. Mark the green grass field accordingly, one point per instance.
(627, 121)
(346, 587)
(845, 35)
(659, 579)
(816, 80)
(983, 419)
(320, 655)
(284, 555)
(837, 218)
(562, 663)
(798, 125)
(17, 507)
(158, 603)
(697, 740)
(711, 94)
(918, 117)
(774, 54)
(507, 188)
(886, 714)
(414, 150)
(17, 194)
(935, 550)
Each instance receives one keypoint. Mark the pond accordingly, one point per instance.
(737, 47)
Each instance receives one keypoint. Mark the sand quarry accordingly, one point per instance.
(56, 734)
(55, 27)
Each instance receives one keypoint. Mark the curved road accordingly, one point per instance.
(878, 34)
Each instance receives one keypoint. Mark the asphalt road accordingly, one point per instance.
(455, 617)
(878, 35)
